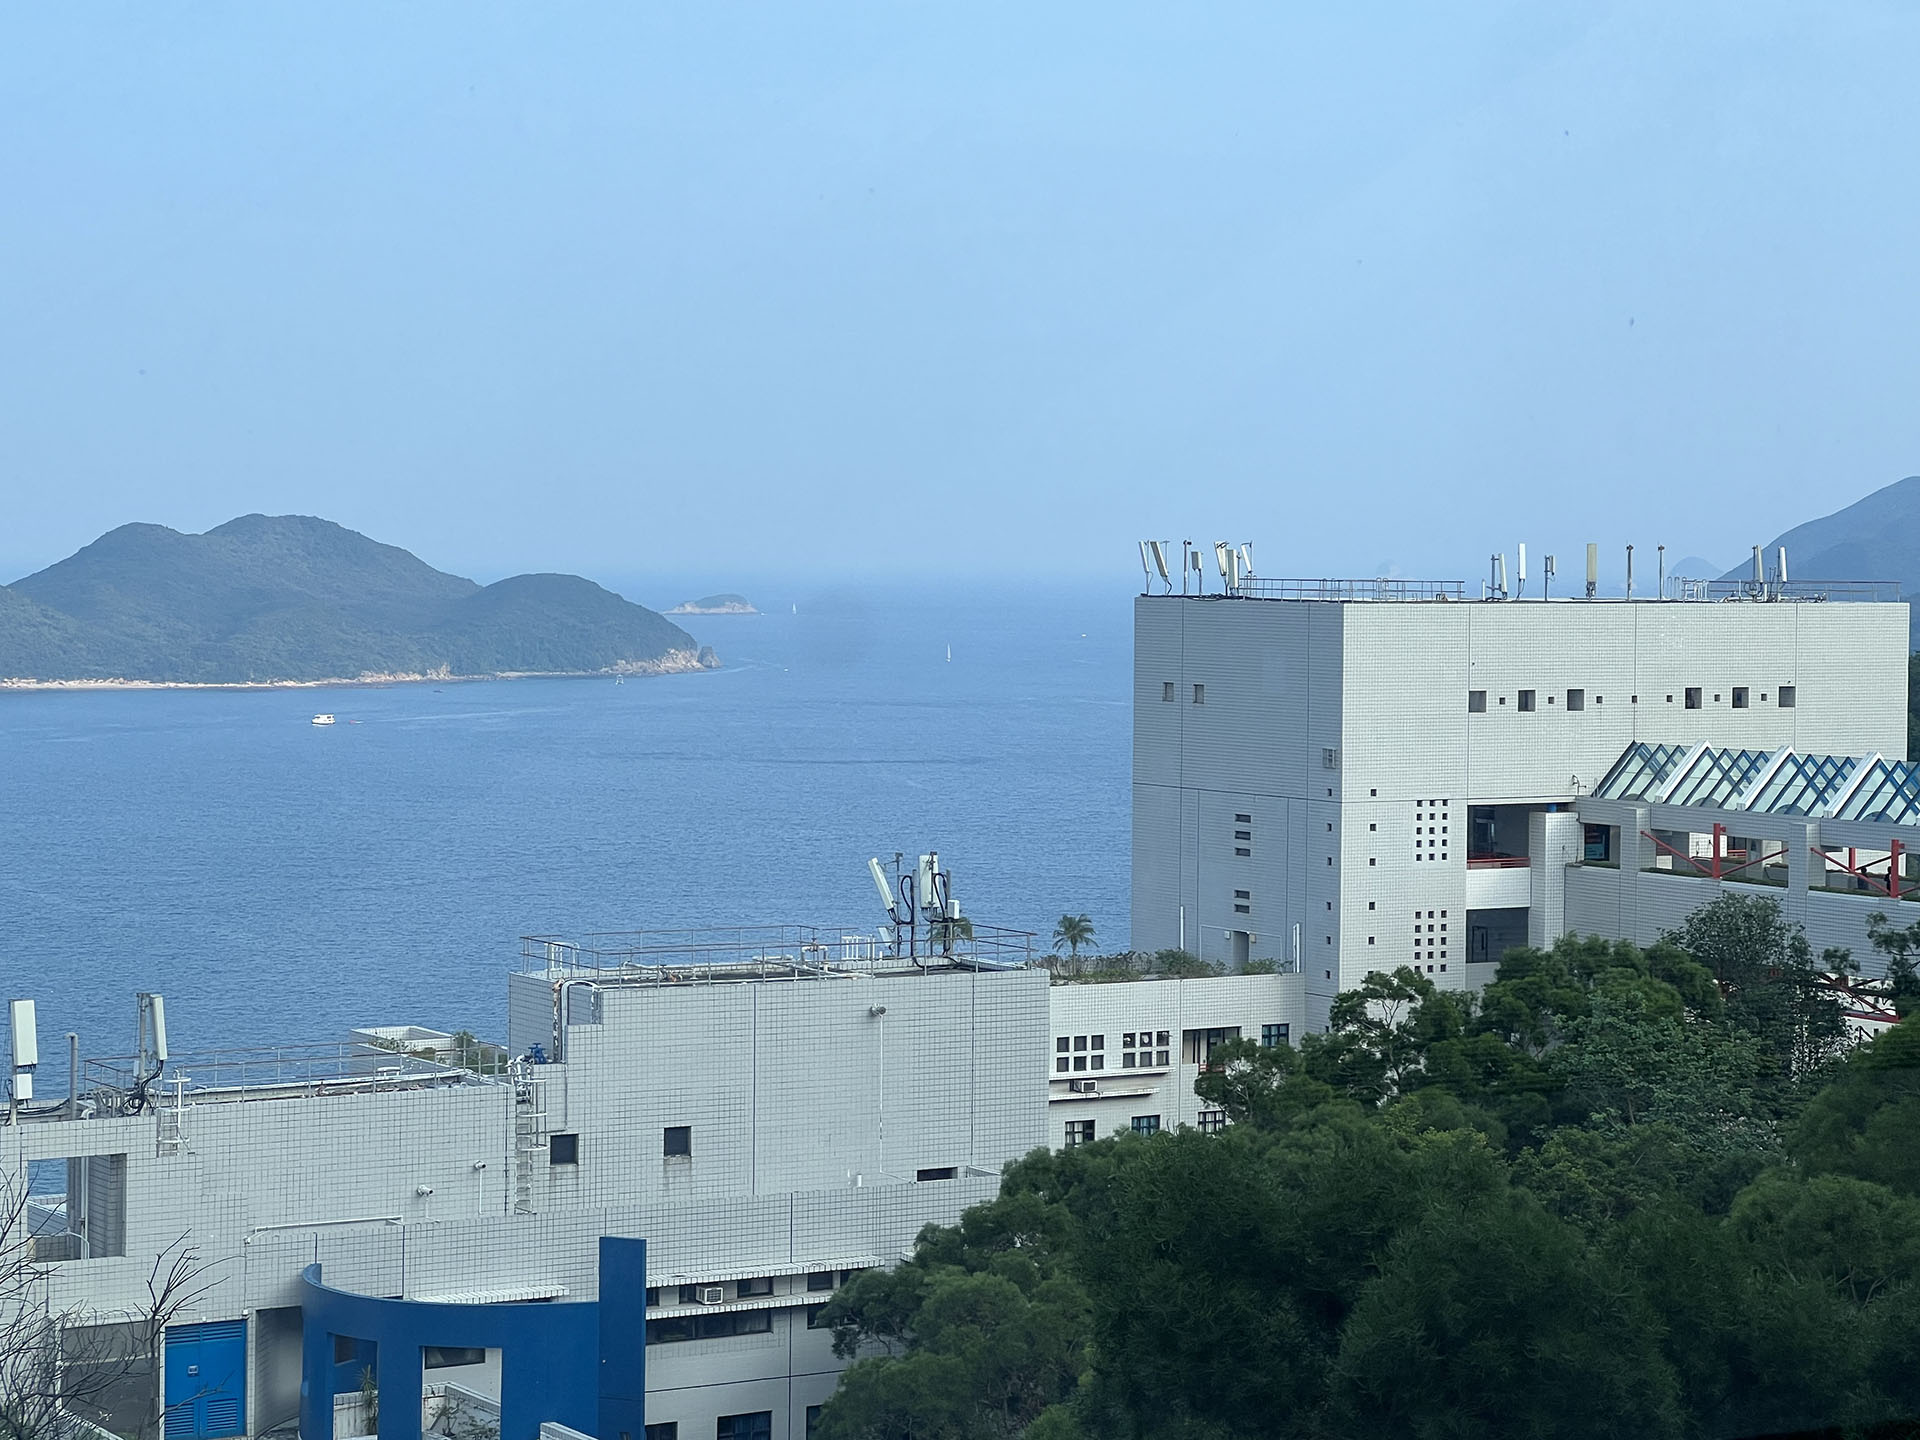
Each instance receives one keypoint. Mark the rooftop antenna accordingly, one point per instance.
(1158, 549)
(26, 1052)
(1629, 572)
(1593, 569)
(1758, 585)
(1246, 560)
(1146, 566)
(1783, 567)
(149, 1046)
(1663, 572)
(1228, 562)
(1497, 580)
(1520, 573)
(1546, 577)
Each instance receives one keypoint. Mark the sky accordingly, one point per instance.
(975, 291)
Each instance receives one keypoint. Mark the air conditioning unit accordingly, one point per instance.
(711, 1294)
(1084, 1087)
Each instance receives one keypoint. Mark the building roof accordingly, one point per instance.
(1869, 788)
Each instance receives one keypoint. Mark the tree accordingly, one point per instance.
(1073, 931)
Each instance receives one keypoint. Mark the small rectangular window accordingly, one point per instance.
(665, 1430)
(678, 1140)
(1079, 1132)
(752, 1288)
(1788, 694)
(442, 1357)
(1576, 699)
(1274, 1035)
(1693, 697)
(1739, 697)
(1243, 894)
(1242, 851)
(820, 1280)
(936, 1172)
(563, 1149)
(1243, 819)
(757, 1426)
(1146, 1124)
(1526, 699)
(653, 1294)
(1476, 702)
(1242, 909)
(1166, 691)
(814, 1312)
(1199, 694)
(1212, 1122)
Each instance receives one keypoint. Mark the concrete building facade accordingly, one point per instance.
(1351, 784)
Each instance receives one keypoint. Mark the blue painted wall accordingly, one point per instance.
(552, 1364)
(206, 1380)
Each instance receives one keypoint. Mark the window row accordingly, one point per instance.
(563, 1147)
(1693, 697)
(1168, 690)
(755, 1425)
(671, 1329)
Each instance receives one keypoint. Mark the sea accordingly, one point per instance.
(284, 882)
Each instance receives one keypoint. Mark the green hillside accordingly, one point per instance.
(291, 597)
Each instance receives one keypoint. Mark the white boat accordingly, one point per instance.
(323, 719)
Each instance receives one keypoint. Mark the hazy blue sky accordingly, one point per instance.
(865, 289)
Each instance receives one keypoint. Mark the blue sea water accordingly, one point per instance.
(281, 881)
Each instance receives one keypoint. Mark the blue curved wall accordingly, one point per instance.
(581, 1364)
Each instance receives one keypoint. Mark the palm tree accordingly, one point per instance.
(1073, 931)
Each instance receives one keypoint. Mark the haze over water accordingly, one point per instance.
(280, 881)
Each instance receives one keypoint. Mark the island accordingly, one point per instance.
(297, 600)
(715, 605)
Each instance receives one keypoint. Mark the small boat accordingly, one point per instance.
(323, 719)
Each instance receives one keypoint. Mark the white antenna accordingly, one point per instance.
(151, 1021)
(1783, 565)
(880, 884)
(1223, 557)
(26, 1049)
(1759, 572)
(1546, 576)
(1246, 559)
(1663, 572)
(1146, 564)
(1520, 572)
(1593, 569)
(1158, 548)
(1629, 572)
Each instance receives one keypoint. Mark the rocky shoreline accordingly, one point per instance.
(674, 662)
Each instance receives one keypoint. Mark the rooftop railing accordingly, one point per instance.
(1381, 588)
(770, 952)
(1848, 591)
(259, 1072)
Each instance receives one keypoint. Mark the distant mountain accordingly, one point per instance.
(290, 597)
(727, 604)
(1877, 538)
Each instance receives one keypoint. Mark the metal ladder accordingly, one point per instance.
(529, 1129)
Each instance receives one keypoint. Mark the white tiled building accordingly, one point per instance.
(1354, 776)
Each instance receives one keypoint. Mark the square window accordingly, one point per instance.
(677, 1140)
(563, 1149)
(1212, 1122)
(1373, 827)
(1526, 700)
(1576, 699)
(1126, 1059)
(1163, 1056)
(1476, 702)
(1099, 1042)
(1693, 697)
(1126, 1041)
(1788, 695)
(1369, 904)
(1146, 1124)
(1079, 1062)
(1079, 1132)
(1060, 1065)
(1199, 694)
(1079, 1042)
(1061, 1043)
(1099, 1062)
(1166, 691)
(1161, 1038)
(1272, 1035)
(1739, 697)
(653, 1294)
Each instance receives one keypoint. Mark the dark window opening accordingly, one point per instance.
(756, 1426)
(1576, 699)
(678, 1140)
(1526, 699)
(1739, 697)
(1199, 694)
(1476, 702)
(563, 1149)
(440, 1357)
(1146, 1124)
(820, 1280)
(1166, 691)
(1693, 697)
(749, 1289)
(937, 1172)
(1788, 694)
